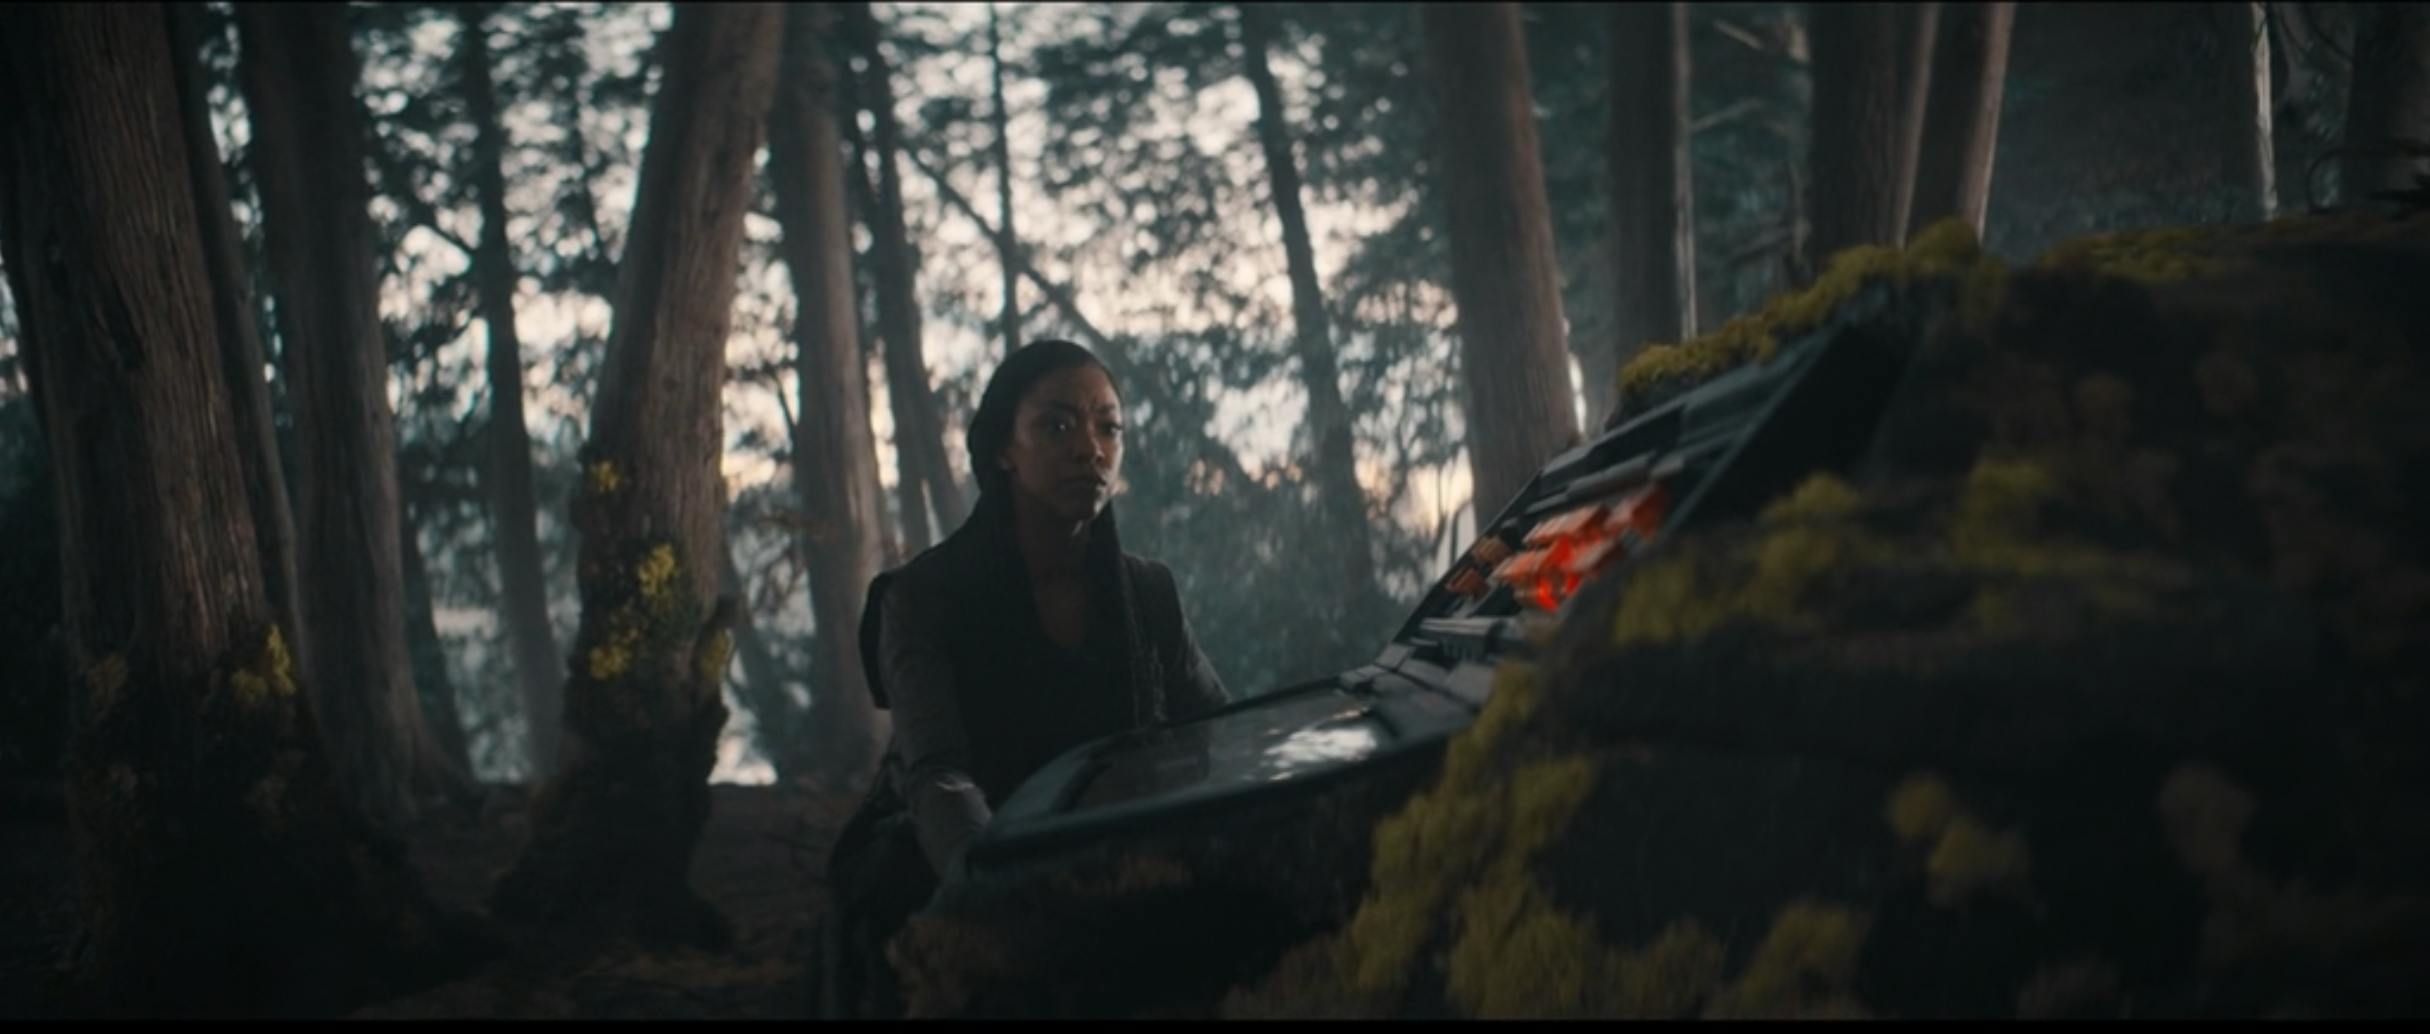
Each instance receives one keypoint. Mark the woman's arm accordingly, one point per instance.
(947, 807)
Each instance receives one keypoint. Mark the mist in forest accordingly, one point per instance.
(1349, 307)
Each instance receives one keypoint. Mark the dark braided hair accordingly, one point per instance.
(991, 429)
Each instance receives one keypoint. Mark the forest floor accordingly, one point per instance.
(759, 862)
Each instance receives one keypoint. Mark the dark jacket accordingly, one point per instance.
(981, 697)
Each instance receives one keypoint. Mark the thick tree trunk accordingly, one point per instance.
(1919, 27)
(1008, 241)
(239, 337)
(614, 830)
(1343, 501)
(919, 440)
(221, 870)
(1855, 155)
(2389, 103)
(514, 507)
(1962, 119)
(308, 151)
(834, 457)
(1653, 242)
(1504, 275)
(2249, 164)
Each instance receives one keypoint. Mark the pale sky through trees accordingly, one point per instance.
(1069, 247)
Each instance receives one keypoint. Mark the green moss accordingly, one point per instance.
(1803, 536)
(1518, 957)
(1971, 858)
(1663, 605)
(1668, 978)
(2148, 256)
(1820, 497)
(1967, 857)
(1945, 250)
(1802, 968)
(1920, 808)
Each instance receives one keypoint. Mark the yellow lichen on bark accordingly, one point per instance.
(602, 478)
(612, 658)
(655, 573)
(270, 675)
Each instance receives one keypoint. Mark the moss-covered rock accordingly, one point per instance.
(2088, 690)
(2094, 687)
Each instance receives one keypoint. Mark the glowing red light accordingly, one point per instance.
(1575, 546)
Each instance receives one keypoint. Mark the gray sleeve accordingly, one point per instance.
(947, 807)
(1193, 687)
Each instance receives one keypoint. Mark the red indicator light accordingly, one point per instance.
(1578, 545)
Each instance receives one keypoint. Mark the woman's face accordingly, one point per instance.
(1067, 443)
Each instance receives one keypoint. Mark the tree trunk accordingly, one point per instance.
(1919, 32)
(835, 457)
(221, 869)
(1344, 502)
(514, 508)
(2389, 103)
(1008, 241)
(918, 422)
(614, 830)
(1653, 242)
(1855, 149)
(1504, 275)
(429, 655)
(239, 337)
(2249, 165)
(309, 135)
(1962, 119)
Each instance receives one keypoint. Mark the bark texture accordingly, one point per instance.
(1855, 156)
(835, 456)
(2389, 104)
(1962, 118)
(614, 831)
(2248, 163)
(514, 507)
(309, 141)
(1919, 27)
(240, 338)
(221, 872)
(1653, 242)
(1505, 279)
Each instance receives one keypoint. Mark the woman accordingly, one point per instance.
(1027, 632)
